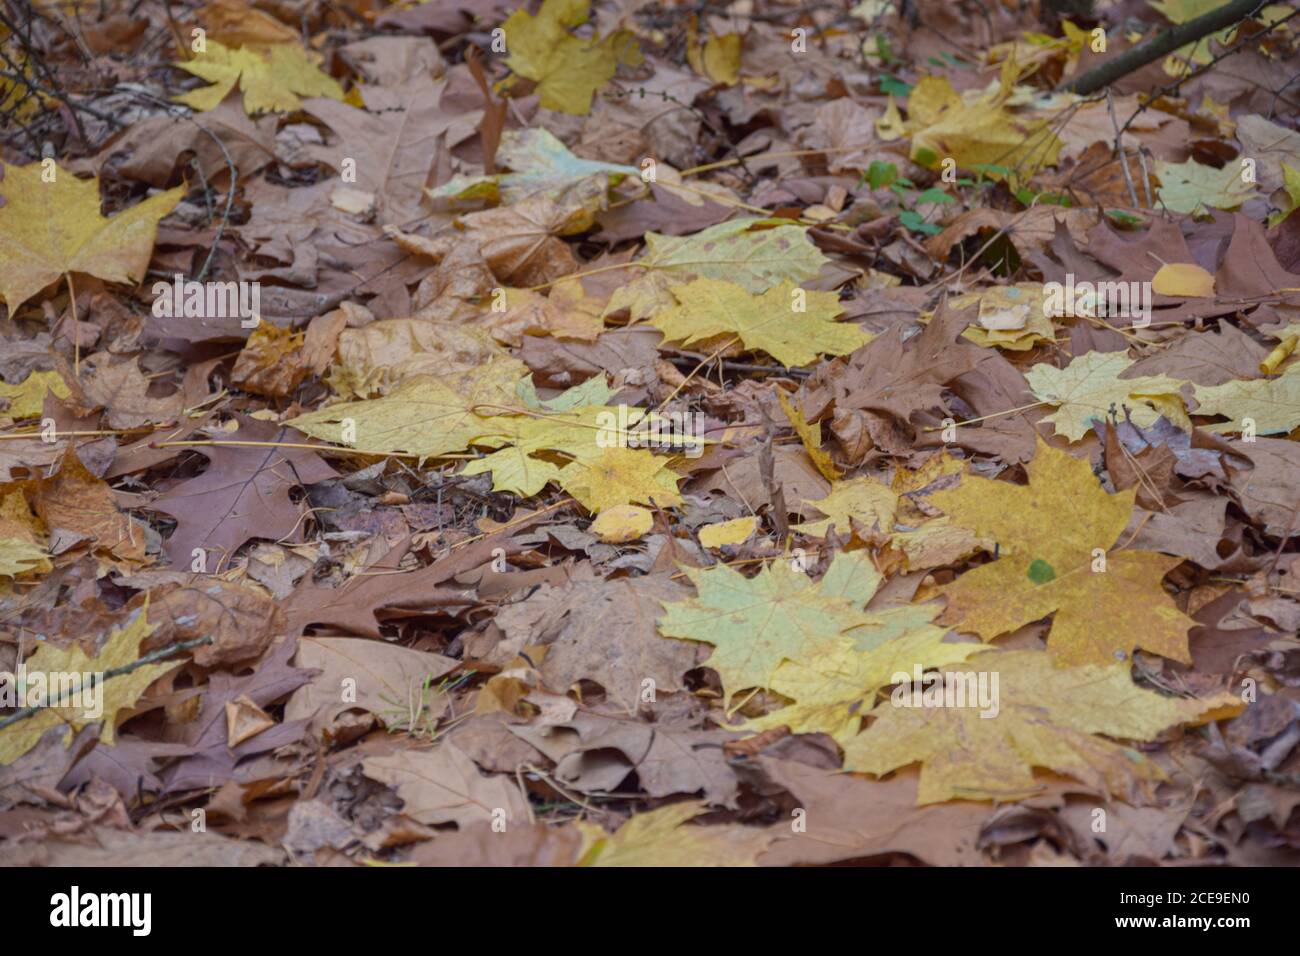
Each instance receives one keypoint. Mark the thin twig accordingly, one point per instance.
(149, 658)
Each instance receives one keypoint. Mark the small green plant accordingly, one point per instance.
(881, 175)
(419, 714)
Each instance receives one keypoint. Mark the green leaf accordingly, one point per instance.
(881, 174)
(892, 84)
(912, 220)
(933, 195)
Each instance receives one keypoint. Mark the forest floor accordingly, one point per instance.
(624, 432)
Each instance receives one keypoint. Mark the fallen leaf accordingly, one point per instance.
(1050, 717)
(27, 398)
(115, 695)
(662, 838)
(622, 523)
(568, 70)
(1092, 386)
(1191, 187)
(243, 494)
(726, 533)
(772, 322)
(396, 684)
(1183, 279)
(779, 614)
(49, 229)
(444, 786)
(1271, 404)
(1047, 565)
(272, 78)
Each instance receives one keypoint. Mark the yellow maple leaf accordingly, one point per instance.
(272, 77)
(707, 308)
(620, 476)
(661, 837)
(749, 252)
(568, 69)
(1090, 386)
(426, 415)
(1046, 717)
(1272, 404)
(516, 467)
(533, 442)
(862, 500)
(1053, 556)
(981, 131)
(833, 688)
(71, 704)
(50, 225)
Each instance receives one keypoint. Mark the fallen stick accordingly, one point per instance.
(1163, 43)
